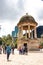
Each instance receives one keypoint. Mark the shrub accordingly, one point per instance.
(41, 45)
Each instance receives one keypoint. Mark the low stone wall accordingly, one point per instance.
(32, 44)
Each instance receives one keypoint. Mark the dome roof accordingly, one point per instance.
(26, 18)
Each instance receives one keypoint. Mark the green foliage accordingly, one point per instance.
(41, 45)
(7, 39)
(41, 35)
(0, 41)
(4, 39)
(15, 42)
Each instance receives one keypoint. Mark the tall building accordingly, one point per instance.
(39, 31)
(14, 33)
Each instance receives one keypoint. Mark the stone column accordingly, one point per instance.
(18, 33)
(35, 33)
(26, 34)
(29, 31)
(21, 31)
(31, 34)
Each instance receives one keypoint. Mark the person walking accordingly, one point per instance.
(0, 49)
(8, 51)
(12, 48)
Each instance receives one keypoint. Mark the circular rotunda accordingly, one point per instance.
(28, 24)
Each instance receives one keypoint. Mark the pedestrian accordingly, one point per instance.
(12, 47)
(20, 50)
(23, 49)
(0, 49)
(5, 50)
(8, 51)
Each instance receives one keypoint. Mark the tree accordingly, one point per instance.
(15, 43)
(0, 41)
(7, 39)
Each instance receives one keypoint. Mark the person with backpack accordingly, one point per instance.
(8, 51)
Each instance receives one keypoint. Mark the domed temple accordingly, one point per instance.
(26, 26)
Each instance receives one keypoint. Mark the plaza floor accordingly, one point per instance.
(30, 59)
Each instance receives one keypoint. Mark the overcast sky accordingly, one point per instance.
(12, 10)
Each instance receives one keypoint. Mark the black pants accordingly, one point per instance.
(8, 54)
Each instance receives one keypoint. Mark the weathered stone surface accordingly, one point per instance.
(30, 59)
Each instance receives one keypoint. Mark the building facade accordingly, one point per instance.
(14, 33)
(27, 23)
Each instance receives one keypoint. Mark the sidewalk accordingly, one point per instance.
(30, 59)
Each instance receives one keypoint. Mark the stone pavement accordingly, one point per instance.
(30, 59)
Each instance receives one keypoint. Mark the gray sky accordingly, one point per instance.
(12, 10)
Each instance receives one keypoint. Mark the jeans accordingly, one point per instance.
(8, 54)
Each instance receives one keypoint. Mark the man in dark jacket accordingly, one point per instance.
(8, 51)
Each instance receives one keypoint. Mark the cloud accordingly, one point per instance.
(40, 14)
(11, 10)
(7, 27)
